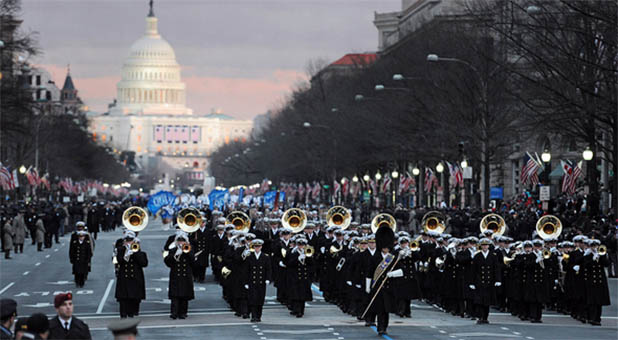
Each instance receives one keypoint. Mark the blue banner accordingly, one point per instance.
(269, 198)
(496, 193)
(241, 193)
(217, 198)
(160, 200)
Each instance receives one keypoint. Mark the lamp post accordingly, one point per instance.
(546, 158)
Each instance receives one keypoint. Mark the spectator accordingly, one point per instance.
(65, 325)
(38, 326)
(8, 313)
(19, 227)
(124, 329)
(7, 236)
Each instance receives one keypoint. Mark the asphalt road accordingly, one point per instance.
(33, 278)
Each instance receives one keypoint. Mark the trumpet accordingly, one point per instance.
(602, 250)
(134, 247)
(186, 248)
(565, 257)
(546, 253)
(309, 251)
(415, 245)
(340, 264)
(507, 260)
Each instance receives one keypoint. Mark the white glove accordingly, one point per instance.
(395, 273)
(576, 267)
(453, 251)
(301, 256)
(246, 286)
(498, 284)
(367, 285)
(349, 283)
(267, 282)
(556, 282)
(322, 250)
(358, 286)
(588, 251)
(472, 287)
(178, 252)
(595, 257)
(539, 259)
(425, 264)
(281, 264)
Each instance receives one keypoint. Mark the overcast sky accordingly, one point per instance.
(239, 56)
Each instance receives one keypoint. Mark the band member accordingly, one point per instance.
(300, 267)
(218, 244)
(535, 288)
(365, 271)
(280, 250)
(180, 260)
(597, 291)
(486, 272)
(259, 277)
(199, 242)
(80, 253)
(131, 286)
(381, 269)
(406, 287)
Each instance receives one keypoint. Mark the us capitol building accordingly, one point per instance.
(150, 117)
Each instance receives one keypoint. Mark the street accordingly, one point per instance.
(35, 277)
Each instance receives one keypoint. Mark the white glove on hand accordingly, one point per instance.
(178, 251)
(246, 253)
(539, 259)
(267, 282)
(358, 286)
(322, 250)
(595, 257)
(498, 284)
(472, 287)
(246, 286)
(301, 256)
(588, 251)
(349, 283)
(367, 285)
(426, 264)
(281, 264)
(576, 267)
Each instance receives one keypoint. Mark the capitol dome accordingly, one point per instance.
(151, 81)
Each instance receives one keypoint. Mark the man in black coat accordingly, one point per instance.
(217, 250)
(200, 240)
(300, 268)
(486, 272)
(180, 261)
(93, 220)
(597, 290)
(65, 325)
(131, 286)
(259, 270)
(536, 286)
(80, 253)
(280, 250)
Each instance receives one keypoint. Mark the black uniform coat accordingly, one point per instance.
(407, 286)
(384, 301)
(79, 255)
(300, 275)
(451, 282)
(259, 273)
(181, 275)
(77, 330)
(199, 242)
(597, 291)
(279, 273)
(131, 283)
(535, 288)
(465, 260)
(486, 272)
(93, 220)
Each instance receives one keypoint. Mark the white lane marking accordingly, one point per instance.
(260, 333)
(176, 325)
(37, 264)
(335, 333)
(443, 332)
(102, 303)
(54, 250)
(516, 333)
(284, 331)
(47, 256)
(434, 327)
(529, 337)
(504, 328)
(7, 287)
(26, 273)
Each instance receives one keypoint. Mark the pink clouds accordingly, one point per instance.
(241, 98)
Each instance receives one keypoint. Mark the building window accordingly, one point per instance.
(38, 79)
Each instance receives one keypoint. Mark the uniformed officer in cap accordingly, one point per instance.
(487, 275)
(8, 313)
(259, 277)
(200, 241)
(80, 253)
(124, 329)
(131, 286)
(180, 261)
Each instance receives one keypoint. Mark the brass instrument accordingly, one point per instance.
(565, 257)
(602, 250)
(493, 222)
(383, 220)
(309, 251)
(135, 219)
(225, 272)
(134, 247)
(339, 216)
(434, 221)
(334, 250)
(548, 226)
(189, 219)
(340, 264)
(546, 253)
(239, 219)
(415, 245)
(295, 219)
(186, 248)
(507, 260)
(283, 252)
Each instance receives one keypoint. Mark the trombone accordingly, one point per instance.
(493, 222)
(339, 216)
(295, 219)
(548, 226)
(434, 221)
(135, 219)
(189, 219)
(239, 219)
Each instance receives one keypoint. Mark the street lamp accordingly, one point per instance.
(464, 164)
(306, 124)
(342, 181)
(416, 171)
(378, 175)
(359, 97)
(394, 174)
(587, 154)
(433, 57)
(440, 168)
(22, 169)
(366, 178)
(379, 88)
(398, 77)
(546, 156)
(355, 179)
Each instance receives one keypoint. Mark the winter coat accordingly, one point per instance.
(7, 235)
(597, 290)
(301, 274)
(131, 283)
(181, 275)
(486, 272)
(40, 231)
(80, 255)
(20, 229)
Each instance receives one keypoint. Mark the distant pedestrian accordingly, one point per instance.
(65, 325)
(8, 313)
(19, 226)
(39, 234)
(124, 329)
(7, 236)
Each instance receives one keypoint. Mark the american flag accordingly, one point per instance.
(430, 178)
(529, 171)
(345, 187)
(386, 183)
(337, 188)
(315, 193)
(33, 176)
(571, 174)
(5, 178)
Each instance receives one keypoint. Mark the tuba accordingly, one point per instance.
(434, 221)
(189, 219)
(493, 222)
(548, 226)
(135, 219)
(339, 216)
(383, 220)
(295, 219)
(239, 219)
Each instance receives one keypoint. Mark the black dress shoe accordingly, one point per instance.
(380, 333)
(182, 317)
(246, 316)
(253, 320)
(594, 323)
(174, 316)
